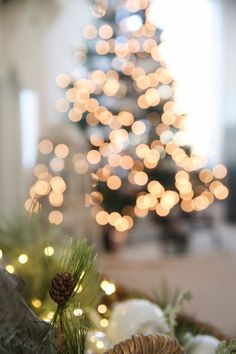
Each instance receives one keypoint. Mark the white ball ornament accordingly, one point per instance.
(202, 344)
(135, 316)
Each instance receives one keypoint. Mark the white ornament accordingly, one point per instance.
(202, 344)
(135, 316)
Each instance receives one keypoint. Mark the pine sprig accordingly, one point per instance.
(78, 260)
(75, 332)
(223, 348)
(78, 263)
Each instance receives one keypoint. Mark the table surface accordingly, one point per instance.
(210, 277)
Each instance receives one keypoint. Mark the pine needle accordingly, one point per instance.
(223, 348)
(79, 260)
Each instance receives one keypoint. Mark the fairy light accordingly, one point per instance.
(61, 151)
(57, 164)
(90, 32)
(100, 344)
(36, 303)
(114, 182)
(78, 312)
(219, 171)
(49, 316)
(49, 251)
(104, 323)
(63, 80)
(10, 268)
(129, 142)
(55, 217)
(58, 184)
(32, 206)
(107, 287)
(105, 31)
(221, 192)
(41, 188)
(121, 224)
(45, 146)
(81, 167)
(93, 157)
(23, 258)
(56, 199)
(102, 308)
(102, 217)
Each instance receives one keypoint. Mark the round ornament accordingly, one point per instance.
(135, 316)
(202, 344)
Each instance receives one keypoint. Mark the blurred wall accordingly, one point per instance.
(228, 99)
(228, 60)
(37, 41)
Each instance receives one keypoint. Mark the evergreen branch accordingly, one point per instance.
(78, 265)
(223, 348)
(75, 333)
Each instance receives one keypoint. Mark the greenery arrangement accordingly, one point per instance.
(189, 332)
(77, 289)
(225, 348)
(77, 272)
(30, 249)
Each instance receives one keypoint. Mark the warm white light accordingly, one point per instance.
(49, 251)
(78, 312)
(10, 268)
(23, 258)
(36, 303)
(190, 64)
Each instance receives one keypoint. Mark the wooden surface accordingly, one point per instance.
(210, 277)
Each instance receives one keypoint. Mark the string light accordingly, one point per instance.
(10, 268)
(78, 312)
(49, 251)
(104, 322)
(107, 287)
(36, 303)
(23, 258)
(130, 142)
(102, 308)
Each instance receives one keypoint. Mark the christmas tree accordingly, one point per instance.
(122, 96)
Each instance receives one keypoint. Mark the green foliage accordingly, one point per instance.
(79, 260)
(225, 348)
(173, 309)
(29, 235)
(75, 331)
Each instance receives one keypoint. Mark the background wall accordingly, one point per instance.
(37, 39)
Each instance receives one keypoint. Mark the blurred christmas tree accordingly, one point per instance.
(122, 96)
(141, 158)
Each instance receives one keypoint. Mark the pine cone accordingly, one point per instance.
(62, 287)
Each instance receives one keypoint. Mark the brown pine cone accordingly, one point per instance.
(62, 287)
